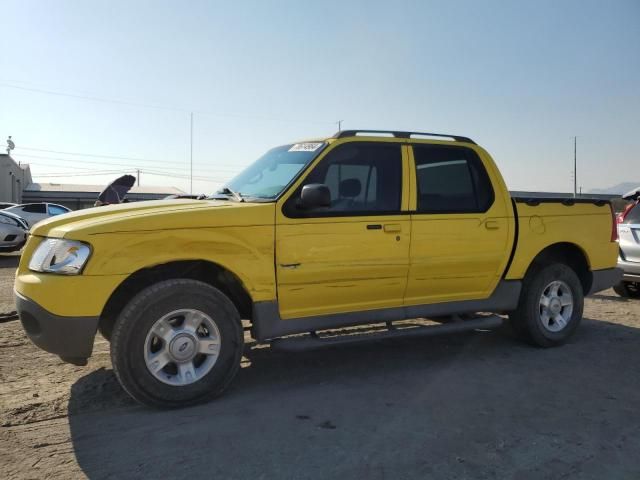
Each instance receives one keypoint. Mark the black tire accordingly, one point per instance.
(106, 330)
(627, 289)
(526, 320)
(140, 314)
(634, 289)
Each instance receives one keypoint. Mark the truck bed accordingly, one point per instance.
(541, 221)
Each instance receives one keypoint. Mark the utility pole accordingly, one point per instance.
(575, 167)
(339, 122)
(191, 157)
(138, 176)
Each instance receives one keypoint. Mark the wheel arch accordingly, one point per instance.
(569, 254)
(203, 270)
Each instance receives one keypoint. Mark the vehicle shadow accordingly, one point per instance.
(613, 297)
(478, 405)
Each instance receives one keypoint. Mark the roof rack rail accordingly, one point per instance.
(398, 134)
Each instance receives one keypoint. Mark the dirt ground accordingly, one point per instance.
(478, 405)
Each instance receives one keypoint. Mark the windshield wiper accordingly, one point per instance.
(227, 191)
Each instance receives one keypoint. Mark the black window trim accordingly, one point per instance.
(482, 170)
(292, 213)
(41, 206)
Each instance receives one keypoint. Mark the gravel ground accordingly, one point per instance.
(478, 405)
(8, 264)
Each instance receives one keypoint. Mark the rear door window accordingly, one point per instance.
(35, 208)
(451, 180)
(57, 210)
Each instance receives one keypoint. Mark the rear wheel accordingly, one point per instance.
(550, 307)
(628, 289)
(177, 343)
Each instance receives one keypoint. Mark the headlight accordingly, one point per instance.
(56, 255)
(8, 221)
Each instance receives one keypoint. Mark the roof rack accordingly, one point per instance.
(397, 134)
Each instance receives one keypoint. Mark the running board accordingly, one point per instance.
(313, 341)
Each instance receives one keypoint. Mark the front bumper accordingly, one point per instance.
(69, 337)
(603, 279)
(631, 270)
(11, 249)
(13, 246)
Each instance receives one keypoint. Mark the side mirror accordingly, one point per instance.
(315, 195)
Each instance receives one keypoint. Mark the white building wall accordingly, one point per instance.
(13, 179)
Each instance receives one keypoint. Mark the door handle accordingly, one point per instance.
(393, 227)
(491, 225)
(290, 266)
(374, 226)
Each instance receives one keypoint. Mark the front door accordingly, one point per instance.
(461, 238)
(354, 254)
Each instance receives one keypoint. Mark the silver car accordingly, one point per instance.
(629, 259)
(13, 232)
(32, 213)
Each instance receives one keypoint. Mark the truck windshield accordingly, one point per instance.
(268, 176)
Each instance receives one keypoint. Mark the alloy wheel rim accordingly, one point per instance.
(182, 347)
(556, 306)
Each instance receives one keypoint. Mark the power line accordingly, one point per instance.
(90, 97)
(89, 172)
(161, 107)
(83, 174)
(191, 112)
(121, 172)
(94, 155)
(185, 177)
(179, 169)
(62, 174)
(31, 164)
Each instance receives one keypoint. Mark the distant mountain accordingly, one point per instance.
(620, 188)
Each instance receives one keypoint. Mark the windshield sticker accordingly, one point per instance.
(305, 147)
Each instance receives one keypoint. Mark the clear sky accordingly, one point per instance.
(521, 78)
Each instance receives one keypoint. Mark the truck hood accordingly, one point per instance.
(155, 215)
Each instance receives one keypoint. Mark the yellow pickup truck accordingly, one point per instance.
(362, 228)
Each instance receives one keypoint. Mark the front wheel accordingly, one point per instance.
(550, 306)
(177, 343)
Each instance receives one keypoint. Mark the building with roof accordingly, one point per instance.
(13, 178)
(76, 197)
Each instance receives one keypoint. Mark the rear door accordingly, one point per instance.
(629, 233)
(460, 233)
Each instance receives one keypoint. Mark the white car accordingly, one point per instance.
(32, 213)
(13, 232)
